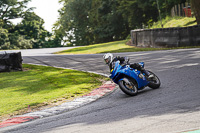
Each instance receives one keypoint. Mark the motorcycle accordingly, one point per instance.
(131, 80)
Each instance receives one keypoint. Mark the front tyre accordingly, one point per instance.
(128, 87)
(154, 82)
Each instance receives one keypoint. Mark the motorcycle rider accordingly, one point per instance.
(110, 60)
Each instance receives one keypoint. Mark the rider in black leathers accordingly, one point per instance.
(110, 60)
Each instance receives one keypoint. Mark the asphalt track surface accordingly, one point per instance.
(174, 108)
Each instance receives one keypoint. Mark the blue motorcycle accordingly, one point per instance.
(131, 80)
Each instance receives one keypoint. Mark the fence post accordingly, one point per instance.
(176, 11)
(182, 12)
(186, 5)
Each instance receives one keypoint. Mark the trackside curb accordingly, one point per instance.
(103, 90)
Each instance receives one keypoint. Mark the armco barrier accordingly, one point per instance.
(10, 61)
(166, 37)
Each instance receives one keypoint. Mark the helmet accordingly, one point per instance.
(108, 58)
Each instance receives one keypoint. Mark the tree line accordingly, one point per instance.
(85, 22)
(81, 22)
(29, 33)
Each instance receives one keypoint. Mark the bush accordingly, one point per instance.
(4, 40)
(14, 41)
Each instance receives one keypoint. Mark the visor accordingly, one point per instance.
(107, 61)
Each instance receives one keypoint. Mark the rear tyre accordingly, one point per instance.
(154, 82)
(128, 87)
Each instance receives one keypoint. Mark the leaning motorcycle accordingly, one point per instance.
(131, 80)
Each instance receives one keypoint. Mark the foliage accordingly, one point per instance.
(19, 42)
(110, 24)
(82, 22)
(4, 40)
(85, 22)
(139, 12)
(32, 28)
(30, 33)
(13, 41)
(12, 9)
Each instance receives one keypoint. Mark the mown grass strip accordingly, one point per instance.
(40, 85)
(96, 48)
(113, 47)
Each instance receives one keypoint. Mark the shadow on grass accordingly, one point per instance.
(189, 23)
(42, 84)
(34, 81)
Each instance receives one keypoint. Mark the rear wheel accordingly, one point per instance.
(128, 87)
(154, 82)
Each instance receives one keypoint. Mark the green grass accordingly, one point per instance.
(96, 48)
(175, 22)
(40, 85)
(112, 47)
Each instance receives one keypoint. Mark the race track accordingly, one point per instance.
(173, 108)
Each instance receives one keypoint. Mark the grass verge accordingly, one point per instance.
(112, 47)
(40, 85)
(175, 22)
(96, 48)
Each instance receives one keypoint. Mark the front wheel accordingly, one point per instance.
(128, 87)
(154, 82)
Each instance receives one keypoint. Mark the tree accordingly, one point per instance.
(4, 40)
(30, 33)
(85, 22)
(12, 9)
(13, 40)
(111, 24)
(32, 28)
(195, 4)
(18, 41)
(74, 22)
(10, 38)
(138, 12)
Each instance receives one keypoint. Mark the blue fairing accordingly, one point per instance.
(141, 64)
(119, 72)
